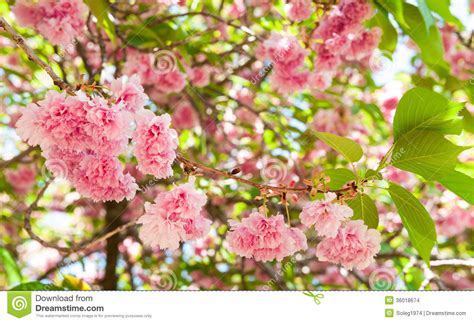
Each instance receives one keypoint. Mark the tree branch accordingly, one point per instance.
(20, 42)
(192, 165)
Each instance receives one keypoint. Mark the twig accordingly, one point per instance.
(190, 165)
(20, 41)
(17, 158)
(75, 248)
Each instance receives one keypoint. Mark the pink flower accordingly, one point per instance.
(299, 10)
(341, 36)
(105, 120)
(287, 57)
(289, 82)
(353, 247)
(142, 65)
(171, 82)
(60, 21)
(129, 93)
(175, 216)
(326, 215)
(21, 179)
(155, 144)
(185, 116)
(264, 239)
(356, 11)
(237, 9)
(320, 81)
(81, 138)
(284, 51)
(363, 46)
(454, 220)
(102, 179)
(200, 76)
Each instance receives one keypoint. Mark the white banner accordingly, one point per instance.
(52, 306)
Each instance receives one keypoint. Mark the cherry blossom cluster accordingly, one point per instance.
(175, 216)
(21, 179)
(460, 58)
(159, 72)
(348, 243)
(287, 58)
(82, 136)
(299, 10)
(155, 144)
(340, 37)
(60, 21)
(354, 246)
(265, 238)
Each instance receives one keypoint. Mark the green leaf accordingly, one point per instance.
(351, 150)
(422, 109)
(426, 13)
(417, 221)
(100, 9)
(10, 266)
(467, 120)
(36, 286)
(425, 153)
(429, 42)
(395, 7)
(339, 177)
(460, 184)
(364, 208)
(388, 42)
(372, 174)
(441, 7)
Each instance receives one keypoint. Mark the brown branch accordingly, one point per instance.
(190, 165)
(112, 218)
(17, 158)
(76, 247)
(20, 42)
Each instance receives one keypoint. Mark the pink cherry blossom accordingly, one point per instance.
(155, 144)
(170, 82)
(185, 116)
(341, 36)
(175, 216)
(102, 179)
(21, 179)
(200, 76)
(453, 220)
(326, 215)
(287, 56)
(129, 93)
(142, 65)
(81, 138)
(264, 239)
(289, 82)
(60, 21)
(236, 9)
(354, 246)
(299, 10)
